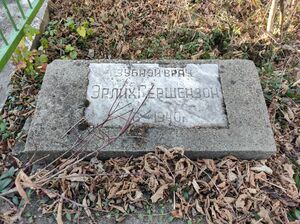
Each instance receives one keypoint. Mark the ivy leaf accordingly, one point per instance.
(81, 31)
(4, 183)
(2, 127)
(15, 200)
(70, 23)
(30, 31)
(69, 48)
(297, 179)
(297, 214)
(73, 55)
(8, 173)
(69, 217)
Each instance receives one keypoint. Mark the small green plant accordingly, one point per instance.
(294, 214)
(85, 29)
(71, 52)
(4, 132)
(31, 62)
(297, 177)
(51, 28)
(44, 43)
(6, 179)
(70, 23)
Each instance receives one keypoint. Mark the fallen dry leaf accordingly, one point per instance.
(86, 209)
(196, 186)
(263, 168)
(177, 213)
(159, 194)
(18, 182)
(59, 218)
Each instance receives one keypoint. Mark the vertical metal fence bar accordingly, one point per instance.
(9, 15)
(20, 8)
(3, 37)
(29, 3)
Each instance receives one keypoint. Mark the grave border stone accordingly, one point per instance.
(248, 136)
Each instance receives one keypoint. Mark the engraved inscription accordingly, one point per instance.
(141, 91)
(185, 96)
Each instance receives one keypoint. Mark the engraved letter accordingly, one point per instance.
(142, 72)
(174, 72)
(118, 72)
(150, 72)
(140, 92)
(180, 73)
(177, 117)
(188, 73)
(216, 93)
(96, 91)
(157, 72)
(151, 94)
(105, 92)
(160, 92)
(168, 117)
(206, 92)
(197, 93)
(189, 92)
(172, 94)
(134, 72)
(181, 93)
(167, 72)
(114, 91)
(131, 93)
(127, 72)
(159, 117)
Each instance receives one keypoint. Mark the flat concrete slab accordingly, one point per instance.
(245, 131)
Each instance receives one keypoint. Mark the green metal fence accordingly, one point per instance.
(11, 41)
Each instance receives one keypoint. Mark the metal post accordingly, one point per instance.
(3, 37)
(29, 3)
(20, 8)
(9, 15)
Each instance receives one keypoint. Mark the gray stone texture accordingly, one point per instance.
(5, 88)
(61, 104)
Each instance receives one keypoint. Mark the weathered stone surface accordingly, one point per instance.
(5, 88)
(186, 96)
(62, 103)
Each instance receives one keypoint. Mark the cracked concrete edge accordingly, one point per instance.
(40, 22)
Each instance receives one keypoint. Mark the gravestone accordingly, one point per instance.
(210, 108)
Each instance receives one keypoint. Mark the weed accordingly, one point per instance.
(31, 62)
(294, 214)
(4, 131)
(51, 28)
(70, 23)
(71, 52)
(6, 179)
